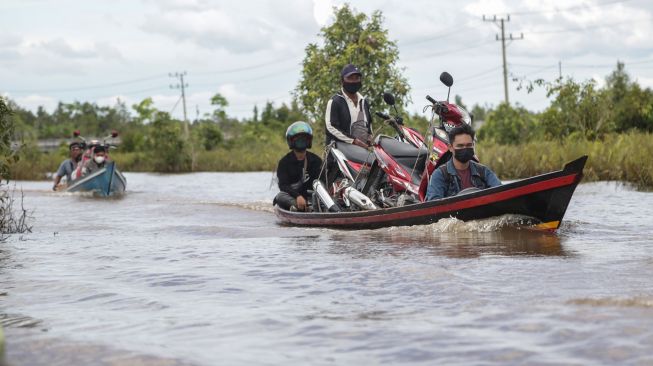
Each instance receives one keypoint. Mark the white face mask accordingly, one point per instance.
(99, 159)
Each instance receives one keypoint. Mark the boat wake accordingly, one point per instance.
(637, 302)
(264, 206)
(453, 225)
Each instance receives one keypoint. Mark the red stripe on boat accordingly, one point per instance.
(473, 202)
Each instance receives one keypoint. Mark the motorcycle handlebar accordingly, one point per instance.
(428, 97)
(382, 115)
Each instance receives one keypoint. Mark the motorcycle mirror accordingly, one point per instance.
(446, 79)
(389, 98)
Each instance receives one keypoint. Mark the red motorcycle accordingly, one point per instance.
(397, 169)
(404, 164)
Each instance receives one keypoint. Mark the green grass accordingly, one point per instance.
(621, 157)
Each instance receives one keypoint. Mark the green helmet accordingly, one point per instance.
(299, 135)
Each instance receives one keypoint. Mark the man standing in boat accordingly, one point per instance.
(298, 169)
(461, 171)
(347, 116)
(99, 160)
(68, 166)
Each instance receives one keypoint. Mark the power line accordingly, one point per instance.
(574, 65)
(582, 29)
(245, 68)
(449, 51)
(482, 73)
(576, 7)
(458, 29)
(90, 87)
(457, 81)
(139, 80)
(239, 82)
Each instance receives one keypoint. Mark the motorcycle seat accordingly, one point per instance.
(407, 155)
(400, 149)
(355, 153)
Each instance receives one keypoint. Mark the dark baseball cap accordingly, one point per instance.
(349, 70)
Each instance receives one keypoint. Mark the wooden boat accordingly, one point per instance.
(105, 182)
(543, 199)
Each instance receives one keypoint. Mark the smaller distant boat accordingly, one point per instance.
(105, 182)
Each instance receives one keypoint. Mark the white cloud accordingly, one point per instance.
(646, 82)
(487, 7)
(137, 40)
(322, 11)
(33, 101)
(235, 27)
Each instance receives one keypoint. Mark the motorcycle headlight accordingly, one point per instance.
(441, 134)
(465, 116)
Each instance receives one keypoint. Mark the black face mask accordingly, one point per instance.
(301, 144)
(352, 88)
(464, 155)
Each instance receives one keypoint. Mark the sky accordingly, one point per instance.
(251, 51)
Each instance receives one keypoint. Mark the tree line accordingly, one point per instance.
(153, 140)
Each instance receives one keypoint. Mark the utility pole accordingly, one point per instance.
(500, 22)
(181, 86)
(560, 69)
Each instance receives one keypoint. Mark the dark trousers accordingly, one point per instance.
(284, 200)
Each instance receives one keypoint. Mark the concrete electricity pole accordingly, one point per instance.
(500, 22)
(181, 86)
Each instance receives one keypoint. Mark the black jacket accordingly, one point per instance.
(338, 116)
(289, 172)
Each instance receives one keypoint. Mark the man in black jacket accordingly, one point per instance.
(298, 169)
(347, 116)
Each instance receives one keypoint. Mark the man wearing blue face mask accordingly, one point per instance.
(347, 114)
(298, 169)
(461, 171)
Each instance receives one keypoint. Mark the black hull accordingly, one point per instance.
(543, 198)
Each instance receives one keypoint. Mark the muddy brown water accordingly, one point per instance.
(193, 270)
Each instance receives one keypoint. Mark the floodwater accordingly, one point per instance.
(193, 270)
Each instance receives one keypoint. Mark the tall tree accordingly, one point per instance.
(352, 38)
(220, 103)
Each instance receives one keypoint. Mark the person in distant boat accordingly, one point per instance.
(298, 169)
(68, 166)
(99, 160)
(461, 171)
(347, 116)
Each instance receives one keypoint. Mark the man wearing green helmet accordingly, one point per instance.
(298, 169)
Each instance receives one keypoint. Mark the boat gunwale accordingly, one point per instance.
(573, 168)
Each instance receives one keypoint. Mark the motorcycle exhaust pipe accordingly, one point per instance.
(359, 199)
(324, 196)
